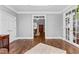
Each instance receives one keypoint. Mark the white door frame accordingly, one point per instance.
(33, 23)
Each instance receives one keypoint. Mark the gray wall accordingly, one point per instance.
(54, 25)
(24, 25)
(53, 28)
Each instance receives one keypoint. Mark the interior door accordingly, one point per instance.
(41, 28)
(42, 33)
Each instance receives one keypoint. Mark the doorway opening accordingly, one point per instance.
(39, 28)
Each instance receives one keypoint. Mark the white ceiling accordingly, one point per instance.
(38, 8)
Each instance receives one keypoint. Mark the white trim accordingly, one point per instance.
(8, 14)
(38, 12)
(32, 28)
(33, 23)
(24, 37)
(32, 12)
(53, 37)
(66, 8)
(45, 37)
(69, 7)
(10, 8)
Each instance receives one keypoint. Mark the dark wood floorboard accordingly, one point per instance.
(23, 45)
(20, 46)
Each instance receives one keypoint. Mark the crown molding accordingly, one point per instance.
(10, 8)
(31, 12)
(69, 7)
(37, 12)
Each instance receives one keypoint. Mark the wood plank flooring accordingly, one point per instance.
(20, 46)
(23, 45)
(70, 49)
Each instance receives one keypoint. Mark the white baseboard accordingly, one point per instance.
(45, 38)
(53, 37)
(24, 37)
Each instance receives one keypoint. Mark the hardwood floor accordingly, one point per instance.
(70, 49)
(3, 51)
(23, 45)
(20, 46)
